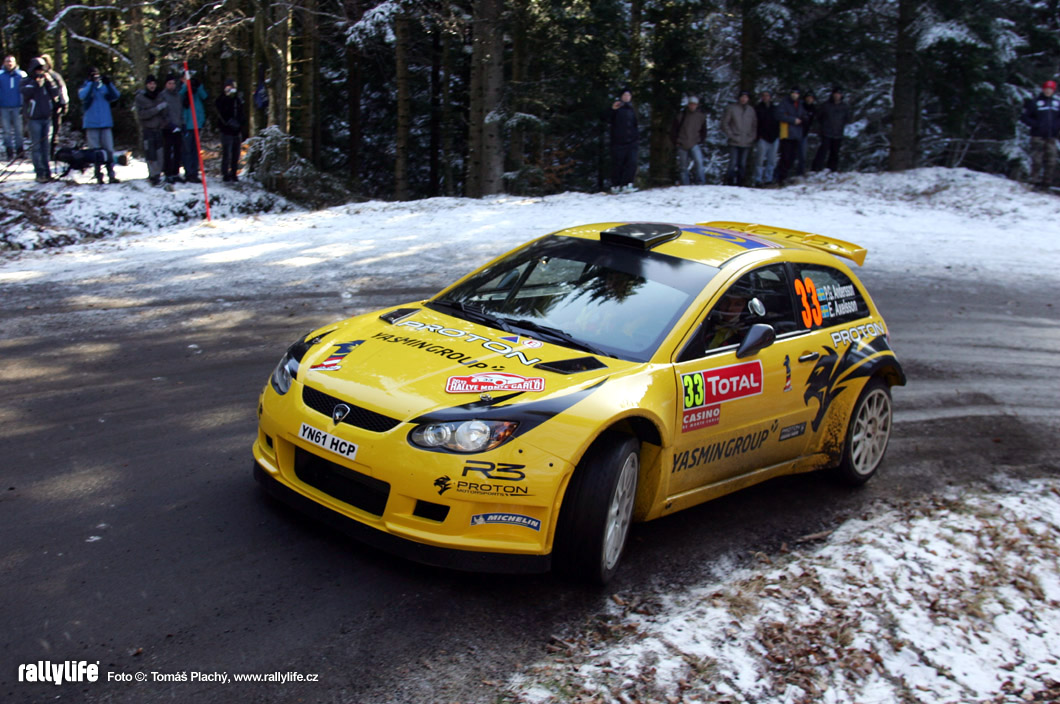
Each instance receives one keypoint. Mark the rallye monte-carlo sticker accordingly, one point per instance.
(493, 381)
(705, 390)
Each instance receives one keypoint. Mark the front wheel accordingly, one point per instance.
(598, 509)
(867, 435)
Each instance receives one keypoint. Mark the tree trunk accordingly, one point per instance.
(436, 114)
(404, 108)
(906, 108)
(661, 155)
(636, 46)
(750, 37)
(492, 163)
(520, 58)
(448, 173)
(308, 124)
(476, 107)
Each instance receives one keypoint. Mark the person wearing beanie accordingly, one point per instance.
(792, 116)
(1042, 115)
(39, 95)
(151, 112)
(625, 140)
(832, 119)
(739, 122)
(97, 93)
(688, 132)
(62, 106)
(172, 137)
(231, 114)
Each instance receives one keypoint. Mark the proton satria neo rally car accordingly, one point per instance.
(526, 415)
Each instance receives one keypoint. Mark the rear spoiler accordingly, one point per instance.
(839, 248)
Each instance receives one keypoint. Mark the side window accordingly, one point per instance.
(826, 296)
(760, 296)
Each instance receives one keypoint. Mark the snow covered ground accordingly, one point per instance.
(956, 600)
(953, 600)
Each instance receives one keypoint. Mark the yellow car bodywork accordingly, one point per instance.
(707, 426)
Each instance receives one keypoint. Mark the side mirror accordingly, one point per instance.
(758, 337)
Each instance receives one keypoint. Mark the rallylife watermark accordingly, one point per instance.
(70, 671)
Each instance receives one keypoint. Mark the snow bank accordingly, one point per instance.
(953, 600)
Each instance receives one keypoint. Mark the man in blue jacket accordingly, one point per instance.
(40, 95)
(11, 78)
(191, 151)
(1042, 115)
(97, 93)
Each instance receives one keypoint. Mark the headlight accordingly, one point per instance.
(463, 436)
(287, 369)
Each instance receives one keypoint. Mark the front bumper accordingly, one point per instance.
(451, 558)
(489, 512)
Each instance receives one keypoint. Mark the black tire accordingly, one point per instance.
(598, 509)
(867, 435)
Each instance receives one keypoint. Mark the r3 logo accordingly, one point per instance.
(496, 470)
(811, 306)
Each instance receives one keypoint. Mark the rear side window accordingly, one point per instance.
(825, 296)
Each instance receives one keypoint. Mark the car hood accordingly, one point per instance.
(414, 361)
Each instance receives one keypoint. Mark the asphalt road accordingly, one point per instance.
(134, 535)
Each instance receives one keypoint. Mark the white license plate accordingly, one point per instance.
(328, 441)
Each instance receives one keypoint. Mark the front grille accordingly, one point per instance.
(356, 489)
(358, 417)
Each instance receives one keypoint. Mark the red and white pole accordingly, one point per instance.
(198, 144)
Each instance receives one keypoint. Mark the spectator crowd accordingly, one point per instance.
(170, 116)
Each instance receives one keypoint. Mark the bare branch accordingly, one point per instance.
(86, 40)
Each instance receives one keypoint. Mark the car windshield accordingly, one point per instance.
(602, 298)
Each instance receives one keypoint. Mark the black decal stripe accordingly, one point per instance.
(529, 415)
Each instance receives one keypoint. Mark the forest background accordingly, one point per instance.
(415, 98)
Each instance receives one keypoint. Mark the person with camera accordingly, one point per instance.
(151, 111)
(40, 95)
(231, 115)
(97, 94)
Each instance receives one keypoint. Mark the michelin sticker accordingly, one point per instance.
(510, 519)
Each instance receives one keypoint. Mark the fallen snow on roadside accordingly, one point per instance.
(955, 600)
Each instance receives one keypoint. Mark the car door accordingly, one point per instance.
(738, 414)
(831, 306)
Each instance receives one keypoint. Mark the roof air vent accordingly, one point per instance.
(642, 235)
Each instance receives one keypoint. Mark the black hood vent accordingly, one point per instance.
(572, 366)
(396, 315)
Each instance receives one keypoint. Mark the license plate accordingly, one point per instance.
(328, 441)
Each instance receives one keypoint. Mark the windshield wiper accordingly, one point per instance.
(473, 313)
(555, 333)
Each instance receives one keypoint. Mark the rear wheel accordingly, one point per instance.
(597, 509)
(867, 435)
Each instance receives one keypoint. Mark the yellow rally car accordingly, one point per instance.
(524, 416)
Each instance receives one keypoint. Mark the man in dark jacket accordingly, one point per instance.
(809, 104)
(832, 119)
(172, 139)
(767, 130)
(230, 115)
(792, 116)
(1042, 115)
(740, 125)
(62, 106)
(151, 111)
(39, 96)
(687, 133)
(625, 136)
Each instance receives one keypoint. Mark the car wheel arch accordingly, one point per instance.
(650, 435)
